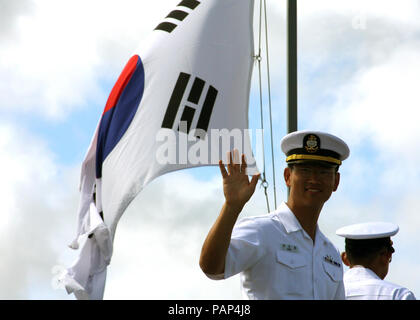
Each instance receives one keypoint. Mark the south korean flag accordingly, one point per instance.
(180, 102)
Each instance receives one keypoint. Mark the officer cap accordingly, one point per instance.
(306, 145)
(368, 230)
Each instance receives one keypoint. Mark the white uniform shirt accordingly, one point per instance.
(278, 260)
(363, 284)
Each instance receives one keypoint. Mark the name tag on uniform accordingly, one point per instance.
(288, 247)
(330, 260)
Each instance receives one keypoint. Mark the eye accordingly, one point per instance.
(304, 170)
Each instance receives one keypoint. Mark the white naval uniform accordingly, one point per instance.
(278, 260)
(363, 284)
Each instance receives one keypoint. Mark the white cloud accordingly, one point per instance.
(10, 11)
(391, 10)
(36, 209)
(63, 51)
(376, 113)
(383, 102)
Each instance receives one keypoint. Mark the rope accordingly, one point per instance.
(269, 103)
(258, 58)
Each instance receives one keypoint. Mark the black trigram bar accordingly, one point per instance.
(192, 4)
(187, 116)
(204, 120)
(175, 101)
(196, 90)
(177, 14)
(166, 26)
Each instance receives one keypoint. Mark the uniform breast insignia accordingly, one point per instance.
(288, 247)
(330, 260)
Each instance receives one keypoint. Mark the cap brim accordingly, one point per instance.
(370, 230)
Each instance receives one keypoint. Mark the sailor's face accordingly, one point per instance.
(311, 184)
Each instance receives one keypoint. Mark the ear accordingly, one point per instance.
(287, 172)
(345, 259)
(385, 257)
(337, 181)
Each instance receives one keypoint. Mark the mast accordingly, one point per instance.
(291, 66)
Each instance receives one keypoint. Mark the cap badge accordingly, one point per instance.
(311, 143)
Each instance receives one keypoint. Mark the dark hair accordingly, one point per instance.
(366, 249)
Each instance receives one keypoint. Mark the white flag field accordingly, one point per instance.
(180, 102)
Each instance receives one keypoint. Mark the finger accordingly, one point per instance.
(254, 180)
(230, 162)
(222, 169)
(236, 165)
(243, 165)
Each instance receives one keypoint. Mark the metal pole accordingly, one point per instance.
(291, 68)
(291, 65)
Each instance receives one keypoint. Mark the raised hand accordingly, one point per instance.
(238, 190)
(236, 185)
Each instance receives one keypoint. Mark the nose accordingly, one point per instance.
(314, 175)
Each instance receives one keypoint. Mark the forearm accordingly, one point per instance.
(215, 247)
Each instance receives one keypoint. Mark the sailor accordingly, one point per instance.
(368, 253)
(283, 254)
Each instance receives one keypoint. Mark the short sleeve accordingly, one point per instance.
(246, 247)
(407, 295)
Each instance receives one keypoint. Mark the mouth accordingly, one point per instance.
(313, 190)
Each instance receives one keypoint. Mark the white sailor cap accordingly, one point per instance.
(368, 230)
(306, 145)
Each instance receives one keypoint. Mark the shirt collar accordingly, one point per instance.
(362, 272)
(291, 223)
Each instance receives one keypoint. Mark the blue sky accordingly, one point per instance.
(358, 78)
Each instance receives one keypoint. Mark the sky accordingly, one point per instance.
(358, 71)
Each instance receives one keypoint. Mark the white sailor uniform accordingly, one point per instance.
(278, 260)
(274, 255)
(363, 284)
